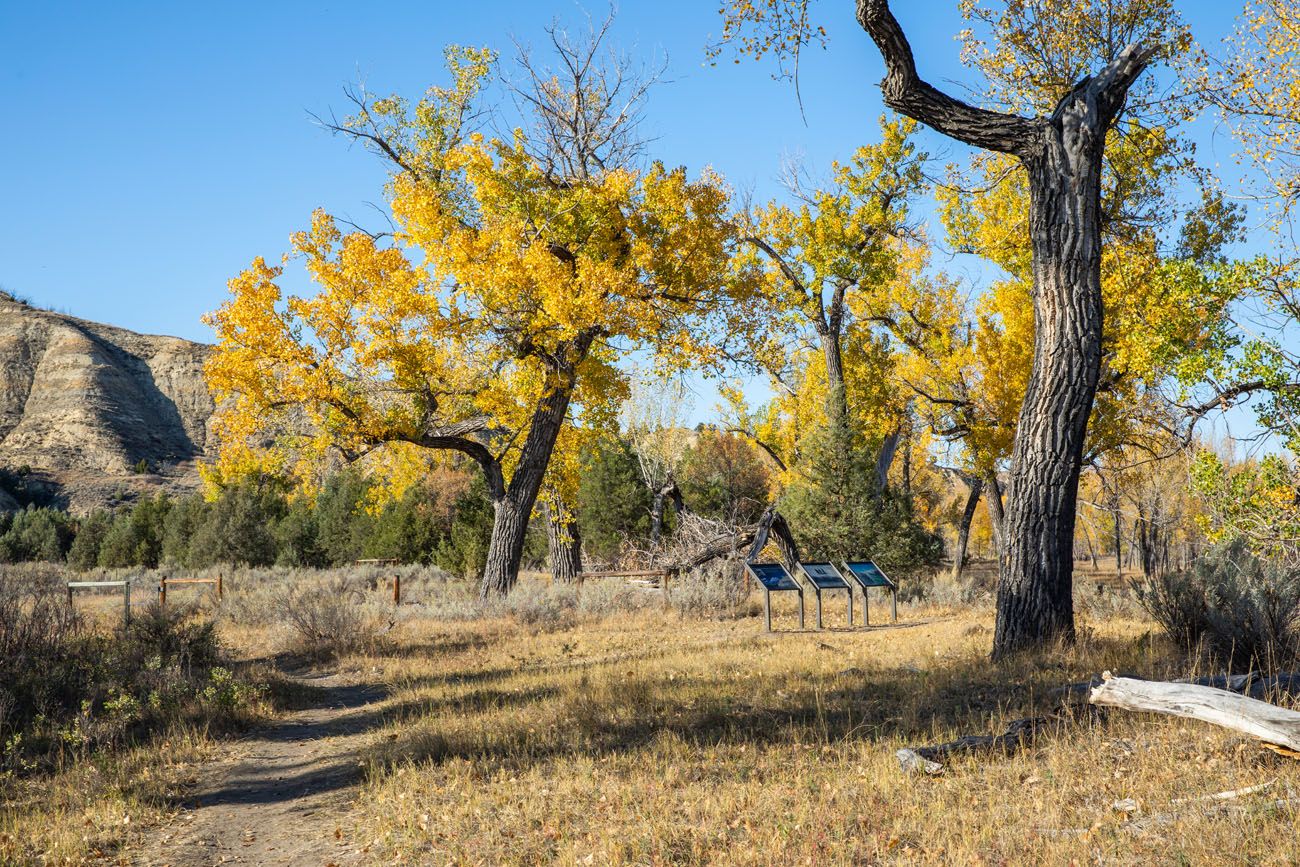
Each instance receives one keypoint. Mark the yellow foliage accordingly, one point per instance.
(506, 288)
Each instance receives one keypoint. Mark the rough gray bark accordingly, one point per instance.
(993, 504)
(669, 493)
(885, 460)
(837, 400)
(907, 467)
(564, 543)
(963, 529)
(513, 505)
(773, 526)
(1062, 154)
(656, 518)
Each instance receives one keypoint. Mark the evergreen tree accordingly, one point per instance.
(238, 527)
(36, 533)
(91, 531)
(613, 502)
(838, 511)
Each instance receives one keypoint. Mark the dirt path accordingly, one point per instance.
(281, 795)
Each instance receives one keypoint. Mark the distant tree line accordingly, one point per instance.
(445, 519)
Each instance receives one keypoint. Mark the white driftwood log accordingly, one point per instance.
(1259, 719)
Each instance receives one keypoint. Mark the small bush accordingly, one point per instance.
(716, 590)
(331, 617)
(67, 689)
(39, 635)
(1237, 607)
(542, 606)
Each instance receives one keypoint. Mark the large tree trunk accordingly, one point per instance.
(888, 449)
(837, 400)
(564, 541)
(668, 493)
(1062, 154)
(963, 529)
(773, 527)
(515, 504)
(1035, 590)
(656, 518)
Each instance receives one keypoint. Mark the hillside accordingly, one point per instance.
(82, 405)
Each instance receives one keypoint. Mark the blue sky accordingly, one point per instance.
(155, 148)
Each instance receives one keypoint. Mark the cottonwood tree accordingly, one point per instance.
(820, 262)
(816, 273)
(1061, 152)
(522, 268)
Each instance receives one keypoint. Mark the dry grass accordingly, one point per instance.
(88, 811)
(652, 739)
(605, 729)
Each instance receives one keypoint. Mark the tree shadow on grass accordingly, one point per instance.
(626, 713)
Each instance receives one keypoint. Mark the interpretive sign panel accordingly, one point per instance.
(824, 576)
(868, 574)
(773, 576)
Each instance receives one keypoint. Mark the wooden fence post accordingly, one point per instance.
(397, 589)
(126, 603)
(219, 588)
(162, 591)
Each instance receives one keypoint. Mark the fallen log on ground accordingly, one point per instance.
(1259, 719)
(1019, 733)
(1254, 684)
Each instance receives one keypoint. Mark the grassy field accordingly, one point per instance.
(650, 739)
(589, 734)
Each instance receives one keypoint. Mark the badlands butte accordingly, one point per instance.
(92, 415)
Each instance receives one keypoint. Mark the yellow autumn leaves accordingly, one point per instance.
(499, 277)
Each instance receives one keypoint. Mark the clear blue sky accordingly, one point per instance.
(153, 149)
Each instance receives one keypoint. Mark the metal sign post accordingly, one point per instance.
(775, 578)
(866, 574)
(824, 576)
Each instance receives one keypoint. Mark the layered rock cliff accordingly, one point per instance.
(85, 407)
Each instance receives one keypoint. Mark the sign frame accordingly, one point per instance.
(828, 585)
(890, 585)
(785, 583)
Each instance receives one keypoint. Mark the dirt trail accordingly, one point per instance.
(278, 795)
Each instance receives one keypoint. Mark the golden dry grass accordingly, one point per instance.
(86, 812)
(652, 739)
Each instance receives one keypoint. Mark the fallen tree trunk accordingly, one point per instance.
(1018, 733)
(1259, 719)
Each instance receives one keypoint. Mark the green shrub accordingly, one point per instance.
(36, 534)
(838, 511)
(1237, 607)
(66, 688)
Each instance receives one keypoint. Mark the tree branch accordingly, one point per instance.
(906, 92)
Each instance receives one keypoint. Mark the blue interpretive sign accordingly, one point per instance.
(824, 576)
(868, 574)
(773, 576)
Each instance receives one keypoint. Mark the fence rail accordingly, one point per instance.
(657, 578)
(163, 583)
(87, 585)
